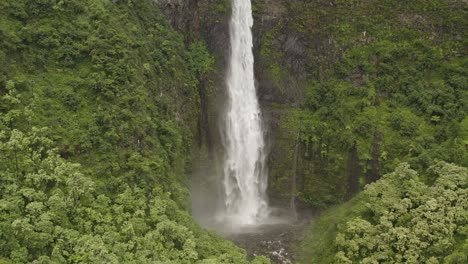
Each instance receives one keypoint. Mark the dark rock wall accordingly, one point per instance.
(283, 67)
(209, 20)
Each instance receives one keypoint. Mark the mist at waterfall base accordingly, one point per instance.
(235, 199)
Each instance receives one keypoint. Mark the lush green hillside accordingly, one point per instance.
(398, 219)
(386, 82)
(368, 85)
(98, 104)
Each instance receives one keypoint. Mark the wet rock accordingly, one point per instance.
(275, 241)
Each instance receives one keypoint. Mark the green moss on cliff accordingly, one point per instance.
(386, 85)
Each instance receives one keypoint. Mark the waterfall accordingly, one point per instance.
(294, 176)
(245, 179)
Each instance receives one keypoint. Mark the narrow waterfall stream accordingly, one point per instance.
(245, 179)
(247, 218)
(243, 214)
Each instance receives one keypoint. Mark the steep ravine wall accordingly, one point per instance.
(206, 21)
(326, 70)
(281, 75)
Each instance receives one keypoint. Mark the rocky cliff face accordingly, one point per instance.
(204, 20)
(280, 54)
(274, 41)
(279, 67)
(200, 19)
(347, 54)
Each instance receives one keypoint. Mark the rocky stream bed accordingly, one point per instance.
(276, 241)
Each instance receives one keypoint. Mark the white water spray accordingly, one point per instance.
(245, 179)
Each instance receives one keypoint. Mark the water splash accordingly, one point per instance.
(245, 179)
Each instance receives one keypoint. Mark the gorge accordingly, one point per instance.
(171, 131)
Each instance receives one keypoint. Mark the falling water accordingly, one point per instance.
(245, 178)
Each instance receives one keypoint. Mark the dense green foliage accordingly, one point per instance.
(387, 83)
(397, 219)
(98, 104)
